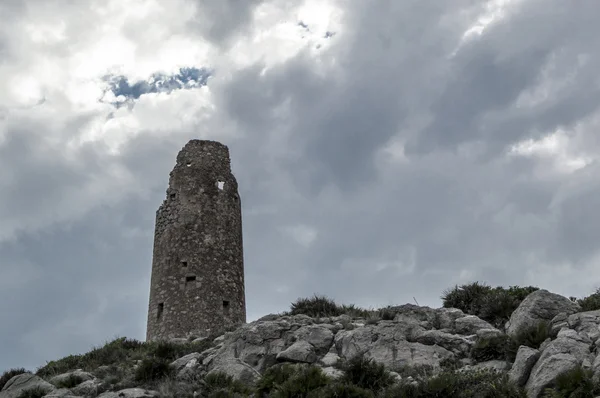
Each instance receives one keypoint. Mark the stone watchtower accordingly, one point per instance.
(197, 284)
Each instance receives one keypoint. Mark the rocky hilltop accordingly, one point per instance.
(545, 347)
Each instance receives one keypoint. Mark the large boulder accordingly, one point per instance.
(300, 351)
(237, 369)
(586, 322)
(538, 306)
(26, 381)
(88, 388)
(567, 351)
(457, 344)
(524, 362)
(386, 344)
(470, 324)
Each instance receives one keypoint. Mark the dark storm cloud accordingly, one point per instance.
(29, 174)
(491, 71)
(465, 219)
(77, 286)
(307, 150)
(221, 20)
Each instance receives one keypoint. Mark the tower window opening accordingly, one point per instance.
(172, 196)
(226, 305)
(191, 278)
(220, 185)
(184, 263)
(159, 312)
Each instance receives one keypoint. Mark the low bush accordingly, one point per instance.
(153, 369)
(576, 383)
(121, 350)
(322, 306)
(292, 380)
(9, 374)
(466, 384)
(274, 377)
(171, 388)
(69, 382)
(418, 372)
(497, 307)
(532, 337)
(35, 392)
(450, 363)
(494, 305)
(468, 298)
(340, 390)
(387, 313)
(366, 373)
(591, 302)
(486, 349)
(219, 384)
(306, 381)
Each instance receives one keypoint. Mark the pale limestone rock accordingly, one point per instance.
(26, 381)
(524, 362)
(300, 351)
(540, 305)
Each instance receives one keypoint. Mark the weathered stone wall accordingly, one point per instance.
(197, 284)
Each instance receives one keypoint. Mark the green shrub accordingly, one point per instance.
(468, 384)
(497, 307)
(366, 373)
(532, 337)
(121, 350)
(289, 380)
(322, 306)
(467, 298)
(418, 372)
(591, 302)
(576, 383)
(339, 390)
(486, 349)
(171, 388)
(387, 313)
(450, 363)
(152, 369)
(69, 382)
(220, 384)
(307, 380)
(494, 305)
(35, 392)
(315, 306)
(9, 374)
(273, 377)
(520, 293)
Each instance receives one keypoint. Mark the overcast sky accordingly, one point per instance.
(384, 150)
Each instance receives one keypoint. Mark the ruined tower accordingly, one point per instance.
(197, 283)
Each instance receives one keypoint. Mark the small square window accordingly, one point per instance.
(226, 305)
(184, 263)
(191, 278)
(159, 312)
